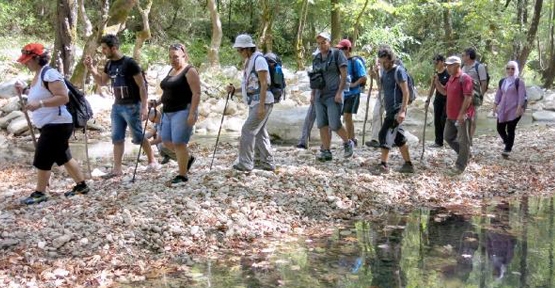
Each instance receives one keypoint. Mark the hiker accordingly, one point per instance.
(356, 74)
(55, 123)
(331, 67)
(377, 112)
(255, 92)
(509, 105)
(155, 117)
(130, 105)
(479, 75)
(440, 115)
(180, 97)
(396, 98)
(459, 112)
(307, 127)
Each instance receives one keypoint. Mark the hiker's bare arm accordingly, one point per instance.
(402, 114)
(59, 97)
(142, 92)
(432, 88)
(441, 88)
(194, 82)
(359, 81)
(100, 78)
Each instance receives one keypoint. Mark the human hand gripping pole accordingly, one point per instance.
(230, 93)
(29, 124)
(366, 115)
(140, 146)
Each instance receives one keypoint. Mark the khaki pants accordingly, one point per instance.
(255, 138)
(458, 138)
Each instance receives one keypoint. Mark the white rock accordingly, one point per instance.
(41, 244)
(5, 121)
(18, 126)
(233, 124)
(12, 105)
(7, 89)
(230, 72)
(209, 124)
(548, 116)
(534, 93)
(60, 241)
(194, 230)
(60, 273)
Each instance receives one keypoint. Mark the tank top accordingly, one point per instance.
(177, 93)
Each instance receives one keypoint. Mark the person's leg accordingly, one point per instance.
(263, 145)
(463, 137)
(133, 119)
(502, 131)
(511, 127)
(350, 107)
(43, 176)
(322, 121)
(439, 120)
(307, 127)
(74, 171)
(349, 125)
(450, 135)
(334, 119)
(473, 124)
(180, 136)
(377, 121)
(250, 129)
(118, 137)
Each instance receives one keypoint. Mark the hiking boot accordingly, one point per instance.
(177, 180)
(301, 146)
(348, 148)
(506, 153)
(454, 171)
(407, 168)
(325, 155)
(80, 188)
(381, 168)
(35, 198)
(240, 167)
(190, 162)
(165, 160)
(373, 144)
(435, 145)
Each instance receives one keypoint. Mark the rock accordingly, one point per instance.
(60, 241)
(41, 244)
(546, 116)
(12, 105)
(5, 121)
(230, 72)
(60, 273)
(93, 125)
(18, 126)
(209, 124)
(534, 93)
(7, 89)
(547, 105)
(233, 124)
(286, 124)
(6, 243)
(204, 109)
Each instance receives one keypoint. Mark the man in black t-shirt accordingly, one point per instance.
(440, 115)
(130, 106)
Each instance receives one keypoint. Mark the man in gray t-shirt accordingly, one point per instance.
(479, 74)
(331, 65)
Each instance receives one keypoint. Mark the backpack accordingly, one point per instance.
(352, 72)
(126, 61)
(478, 97)
(410, 83)
(78, 106)
(517, 82)
(277, 79)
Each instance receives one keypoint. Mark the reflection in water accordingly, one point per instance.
(506, 244)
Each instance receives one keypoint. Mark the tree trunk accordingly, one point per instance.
(335, 21)
(86, 23)
(144, 34)
(357, 22)
(527, 48)
(448, 31)
(112, 19)
(269, 9)
(66, 32)
(299, 47)
(216, 41)
(548, 75)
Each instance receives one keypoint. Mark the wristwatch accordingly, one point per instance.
(41, 104)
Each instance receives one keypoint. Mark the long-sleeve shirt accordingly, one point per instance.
(508, 99)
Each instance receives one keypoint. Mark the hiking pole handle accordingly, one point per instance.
(29, 124)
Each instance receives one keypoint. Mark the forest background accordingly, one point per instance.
(522, 30)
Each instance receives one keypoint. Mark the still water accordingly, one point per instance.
(501, 244)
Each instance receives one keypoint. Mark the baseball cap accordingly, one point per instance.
(345, 43)
(29, 51)
(453, 60)
(324, 35)
(243, 41)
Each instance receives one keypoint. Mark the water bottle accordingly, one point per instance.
(347, 83)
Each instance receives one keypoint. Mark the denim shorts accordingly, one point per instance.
(328, 113)
(175, 128)
(124, 115)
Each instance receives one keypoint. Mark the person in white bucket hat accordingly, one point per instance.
(255, 92)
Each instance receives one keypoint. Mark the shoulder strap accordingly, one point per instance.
(501, 82)
(395, 74)
(517, 80)
(42, 73)
(187, 70)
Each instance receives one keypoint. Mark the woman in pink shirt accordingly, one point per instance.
(509, 105)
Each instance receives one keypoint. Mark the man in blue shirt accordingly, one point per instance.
(351, 99)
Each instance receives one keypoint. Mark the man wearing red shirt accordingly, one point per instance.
(459, 112)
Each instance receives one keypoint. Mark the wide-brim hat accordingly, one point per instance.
(244, 41)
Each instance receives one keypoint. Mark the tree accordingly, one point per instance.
(269, 10)
(66, 32)
(335, 21)
(85, 22)
(299, 47)
(524, 52)
(144, 34)
(216, 39)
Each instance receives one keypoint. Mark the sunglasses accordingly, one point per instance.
(510, 68)
(240, 50)
(177, 47)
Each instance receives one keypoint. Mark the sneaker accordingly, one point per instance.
(454, 171)
(35, 198)
(165, 160)
(381, 168)
(301, 146)
(506, 153)
(325, 155)
(407, 168)
(80, 188)
(435, 145)
(373, 144)
(348, 148)
(154, 166)
(190, 162)
(355, 142)
(240, 167)
(265, 166)
(177, 180)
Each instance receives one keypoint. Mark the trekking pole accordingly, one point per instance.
(424, 131)
(27, 118)
(367, 104)
(229, 94)
(85, 130)
(140, 146)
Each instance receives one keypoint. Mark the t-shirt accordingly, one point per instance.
(250, 86)
(393, 95)
(177, 92)
(443, 78)
(456, 93)
(354, 66)
(329, 64)
(480, 75)
(124, 87)
(48, 115)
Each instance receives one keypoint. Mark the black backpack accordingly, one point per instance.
(410, 83)
(354, 77)
(478, 97)
(517, 82)
(78, 106)
(277, 79)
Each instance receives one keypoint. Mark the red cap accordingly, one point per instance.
(29, 51)
(345, 43)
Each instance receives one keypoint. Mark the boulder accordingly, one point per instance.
(546, 116)
(549, 105)
(204, 109)
(5, 121)
(18, 126)
(12, 105)
(233, 124)
(286, 123)
(230, 72)
(7, 89)
(534, 93)
(209, 125)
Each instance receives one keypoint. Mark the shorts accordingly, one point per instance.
(351, 103)
(328, 113)
(391, 133)
(175, 128)
(124, 115)
(53, 146)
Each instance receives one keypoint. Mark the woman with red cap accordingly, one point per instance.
(47, 97)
